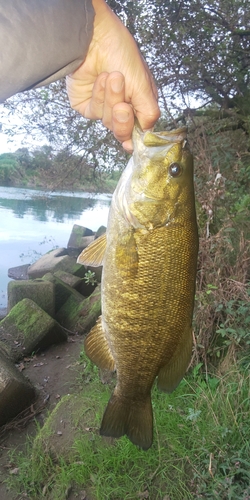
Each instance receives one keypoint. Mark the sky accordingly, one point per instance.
(11, 146)
(18, 141)
(6, 147)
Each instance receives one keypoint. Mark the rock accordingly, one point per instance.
(41, 292)
(27, 328)
(16, 392)
(75, 282)
(79, 239)
(79, 316)
(19, 272)
(68, 278)
(54, 261)
(62, 290)
(100, 231)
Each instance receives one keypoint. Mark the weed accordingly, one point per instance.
(201, 447)
(90, 278)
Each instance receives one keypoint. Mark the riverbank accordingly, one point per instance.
(106, 186)
(23, 170)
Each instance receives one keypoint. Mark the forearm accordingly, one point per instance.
(42, 41)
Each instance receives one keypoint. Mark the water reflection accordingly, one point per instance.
(44, 206)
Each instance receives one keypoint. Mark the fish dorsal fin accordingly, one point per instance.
(94, 253)
(171, 374)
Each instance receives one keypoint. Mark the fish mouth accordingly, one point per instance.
(165, 137)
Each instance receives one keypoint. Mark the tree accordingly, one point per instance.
(195, 49)
(47, 116)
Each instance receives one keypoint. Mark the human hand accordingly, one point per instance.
(114, 83)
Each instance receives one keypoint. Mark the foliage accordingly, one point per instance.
(197, 49)
(43, 167)
(8, 169)
(198, 53)
(46, 115)
(90, 278)
(201, 447)
(222, 310)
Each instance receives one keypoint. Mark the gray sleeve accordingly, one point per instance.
(41, 41)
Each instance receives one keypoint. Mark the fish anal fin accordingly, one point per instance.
(123, 416)
(97, 348)
(126, 256)
(171, 374)
(93, 254)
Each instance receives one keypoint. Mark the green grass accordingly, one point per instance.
(201, 447)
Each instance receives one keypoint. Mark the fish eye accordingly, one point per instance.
(175, 169)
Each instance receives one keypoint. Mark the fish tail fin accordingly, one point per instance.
(133, 418)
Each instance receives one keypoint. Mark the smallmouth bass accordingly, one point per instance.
(149, 257)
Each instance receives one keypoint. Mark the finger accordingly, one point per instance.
(147, 111)
(94, 108)
(122, 121)
(114, 94)
(128, 146)
(144, 100)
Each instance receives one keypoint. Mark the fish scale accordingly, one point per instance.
(148, 283)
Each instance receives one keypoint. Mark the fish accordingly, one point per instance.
(149, 258)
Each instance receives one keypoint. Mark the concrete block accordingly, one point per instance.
(80, 316)
(79, 284)
(19, 272)
(79, 239)
(54, 261)
(27, 328)
(16, 392)
(41, 292)
(68, 278)
(62, 290)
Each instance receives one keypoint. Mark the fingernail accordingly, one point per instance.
(117, 85)
(121, 116)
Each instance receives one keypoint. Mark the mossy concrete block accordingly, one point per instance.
(41, 292)
(62, 290)
(80, 316)
(3, 312)
(54, 261)
(68, 278)
(16, 392)
(79, 239)
(79, 284)
(28, 328)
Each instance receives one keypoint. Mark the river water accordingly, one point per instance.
(33, 222)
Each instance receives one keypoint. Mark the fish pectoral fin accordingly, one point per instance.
(126, 257)
(133, 418)
(97, 348)
(171, 374)
(94, 253)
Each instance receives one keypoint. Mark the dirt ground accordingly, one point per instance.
(54, 373)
